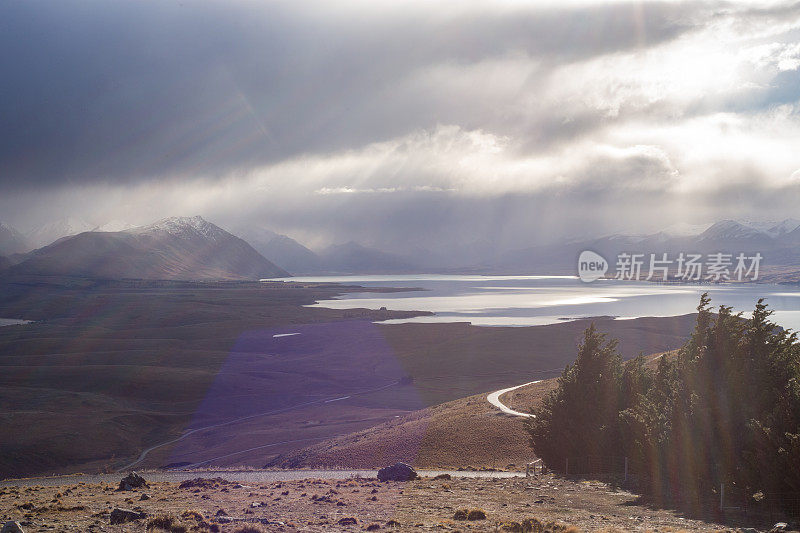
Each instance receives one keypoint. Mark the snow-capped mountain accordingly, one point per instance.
(729, 231)
(187, 248)
(114, 225)
(182, 228)
(784, 227)
(776, 241)
(684, 229)
(11, 240)
(52, 231)
(773, 227)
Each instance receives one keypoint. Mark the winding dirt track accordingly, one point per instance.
(494, 399)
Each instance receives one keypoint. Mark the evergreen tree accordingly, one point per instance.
(579, 418)
(725, 410)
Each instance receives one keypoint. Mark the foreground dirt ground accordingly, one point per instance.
(357, 504)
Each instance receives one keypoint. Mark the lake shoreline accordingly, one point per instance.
(535, 300)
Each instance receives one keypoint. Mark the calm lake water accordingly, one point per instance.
(536, 300)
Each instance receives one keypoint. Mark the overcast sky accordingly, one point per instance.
(404, 123)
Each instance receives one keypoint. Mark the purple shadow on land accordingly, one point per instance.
(313, 369)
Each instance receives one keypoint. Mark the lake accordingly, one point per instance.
(12, 321)
(538, 300)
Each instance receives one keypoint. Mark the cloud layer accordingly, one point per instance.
(401, 124)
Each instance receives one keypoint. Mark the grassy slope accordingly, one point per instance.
(468, 432)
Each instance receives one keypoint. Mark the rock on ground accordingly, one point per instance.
(120, 516)
(12, 527)
(132, 481)
(397, 472)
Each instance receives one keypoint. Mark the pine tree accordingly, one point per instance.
(725, 410)
(580, 417)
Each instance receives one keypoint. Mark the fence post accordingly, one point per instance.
(566, 466)
(626, 469)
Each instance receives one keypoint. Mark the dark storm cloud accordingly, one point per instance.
(454, 127)
(127, 91)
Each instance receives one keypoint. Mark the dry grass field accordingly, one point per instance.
(110, 369)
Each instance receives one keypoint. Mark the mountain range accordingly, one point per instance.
(778, 243)
(173, 248)
(284, 251)
(192, 248)
(178, 248)
(346, 258)
(15, 242)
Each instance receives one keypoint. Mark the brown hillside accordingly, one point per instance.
(468, 432)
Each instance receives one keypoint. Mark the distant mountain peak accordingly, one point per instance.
(114, 226)
(685, 229)
(11, 240)
(57, 229)
(282, 250)
(8, 227)
(784, 227)
(731, 229)
(349, 245)
(182, 227)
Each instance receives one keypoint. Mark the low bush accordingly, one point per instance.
(476, 514)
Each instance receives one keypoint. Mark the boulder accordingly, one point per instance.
(120, 516)
(132, 481)
(397, 472)
(12, 527)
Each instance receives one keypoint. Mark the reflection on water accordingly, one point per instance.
(12, 322)
(538, 300)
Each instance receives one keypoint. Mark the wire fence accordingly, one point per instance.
(727, 499)
(596, 464)
(772, 506)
